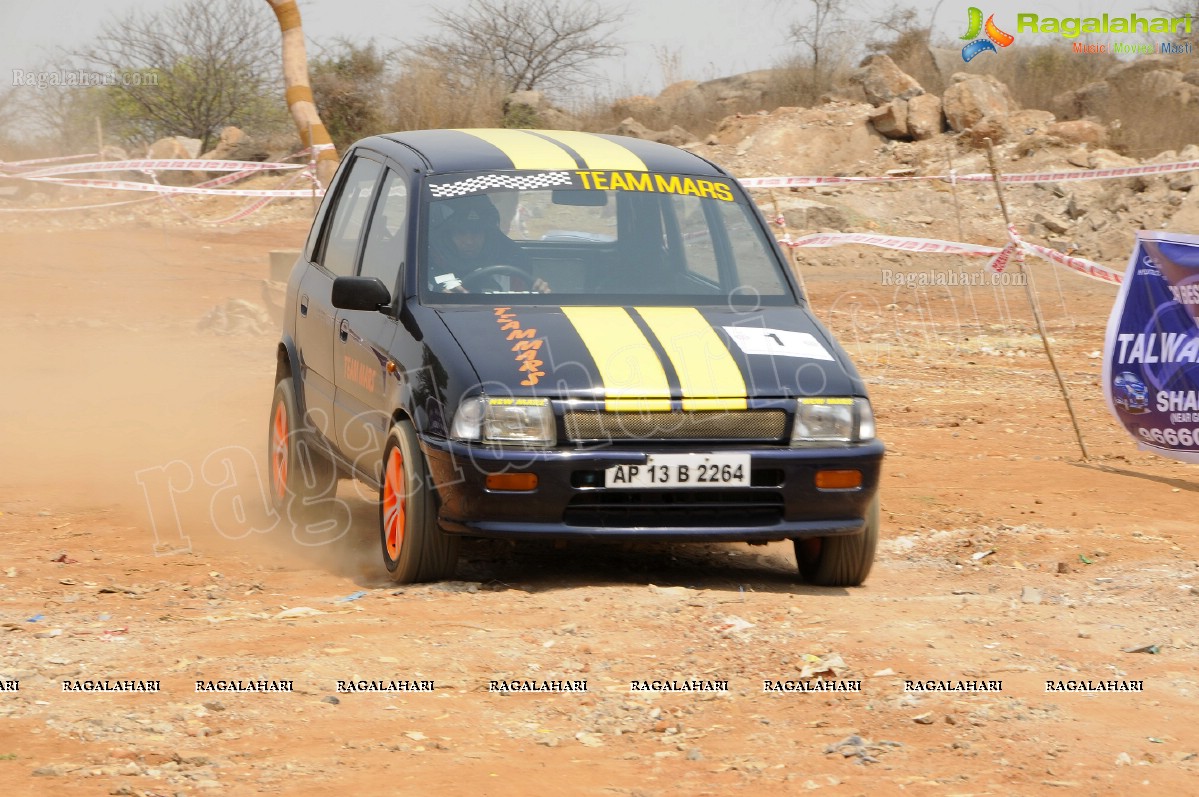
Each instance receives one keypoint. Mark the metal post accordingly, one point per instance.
(1036, 309)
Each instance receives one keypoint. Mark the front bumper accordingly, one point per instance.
(782, 502)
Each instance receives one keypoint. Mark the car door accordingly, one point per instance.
(335, 255)
(364, 338)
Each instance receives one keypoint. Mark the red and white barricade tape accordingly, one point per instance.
(1029, 177)
(1003, 254)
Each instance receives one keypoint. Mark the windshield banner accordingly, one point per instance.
(1151, 351)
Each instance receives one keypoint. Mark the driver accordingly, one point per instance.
(470, 241)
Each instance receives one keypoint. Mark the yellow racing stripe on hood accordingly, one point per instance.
(708, 375)
(633, 376)
(598, 153)
(525, 150)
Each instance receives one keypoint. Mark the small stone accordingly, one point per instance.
(1030, 595)
(923, 719)
(694, 754)
(330, 699)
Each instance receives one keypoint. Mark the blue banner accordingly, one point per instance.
(1151, 352)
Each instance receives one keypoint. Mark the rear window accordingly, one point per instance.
(598, 238)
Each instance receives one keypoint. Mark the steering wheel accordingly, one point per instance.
(500, 268)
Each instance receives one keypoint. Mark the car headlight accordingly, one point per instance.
(506, 421)
(820, 421)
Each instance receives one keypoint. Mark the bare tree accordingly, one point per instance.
(823, 36)
(299, 92)
(529, 44)
(189, 69)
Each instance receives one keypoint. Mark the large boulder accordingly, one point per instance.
(675, 136)
(836, 138)
(882, 81)
(174, 147)
(738, 92)
(925, 117)
(1090, 100)
(972, 97)
(805, 215)
(1009, 127)
(235, 145)
(1079, 131)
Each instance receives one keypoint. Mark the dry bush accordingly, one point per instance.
(427, 94)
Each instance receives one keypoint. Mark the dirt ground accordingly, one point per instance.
(133, 425)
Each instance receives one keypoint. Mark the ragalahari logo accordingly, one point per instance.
(994, 36)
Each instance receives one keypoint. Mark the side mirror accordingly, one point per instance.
(360, 293)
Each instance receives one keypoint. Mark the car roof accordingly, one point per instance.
(481, 149)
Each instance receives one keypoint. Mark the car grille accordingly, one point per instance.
(675, 508)
(757, 425)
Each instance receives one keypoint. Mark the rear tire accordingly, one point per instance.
(299, 470)
(841, 561)
(414, 546)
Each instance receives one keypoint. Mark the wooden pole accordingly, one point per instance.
(792, 252)
(1036, 308)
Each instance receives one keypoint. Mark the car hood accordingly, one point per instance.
(652, 358)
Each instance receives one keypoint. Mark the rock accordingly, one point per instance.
(1090, 100)
(174, 147)
(882, 81)
(227, 146)
(1007, 127)
(926, 718)
(1030, 595)
(1183, 181)
(808, 214)
(674, 136)
(676, 93)
(1076, 210)
(973, 97)
(1051, 224)
(830, 139)
(1152, 77)
(1115, 244)
(739, 92)
(533, 109)
(298, 611)
(1079, 131)
(925, 117)
(891, 120)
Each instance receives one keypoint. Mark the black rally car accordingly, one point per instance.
(556, 334)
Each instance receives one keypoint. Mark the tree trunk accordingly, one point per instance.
(299, 92)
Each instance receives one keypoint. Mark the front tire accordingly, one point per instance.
(414, 547)
(841, 561)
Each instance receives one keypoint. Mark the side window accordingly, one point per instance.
(698, 248)
(385, 240)
(344, 228)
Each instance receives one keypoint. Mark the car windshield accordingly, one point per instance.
(592, 237)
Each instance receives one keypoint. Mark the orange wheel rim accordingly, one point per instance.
(393, 505)
(279, 433)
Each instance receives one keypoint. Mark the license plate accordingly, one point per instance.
(682, 470)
